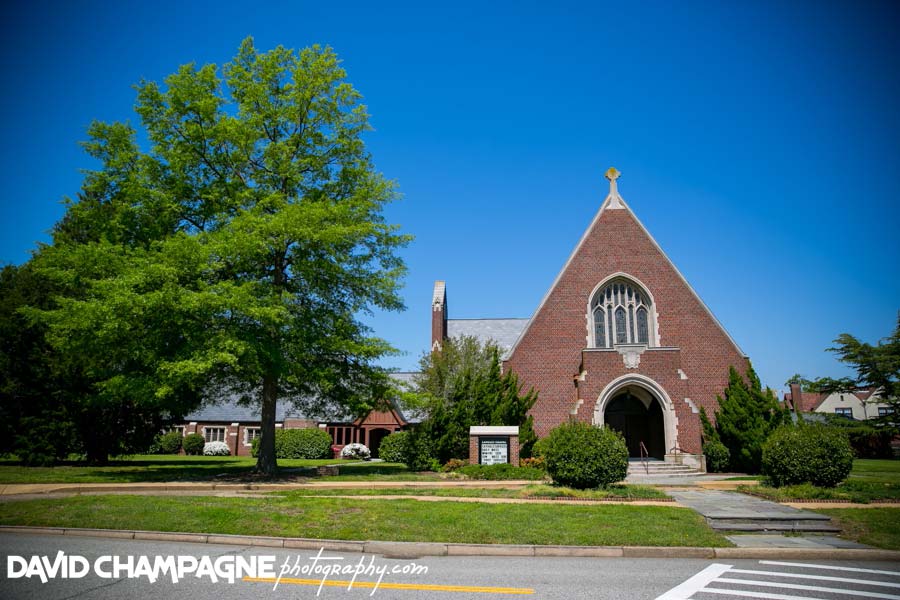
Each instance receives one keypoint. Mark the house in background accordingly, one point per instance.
(860, 405)
(236, 424)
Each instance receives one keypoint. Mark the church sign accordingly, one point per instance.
(493, 451)
(493, 445)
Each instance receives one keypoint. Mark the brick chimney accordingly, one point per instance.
(796, 397)
(438, 316)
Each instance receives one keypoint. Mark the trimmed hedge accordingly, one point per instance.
(310, 443)
(717, 456)
(584, 456)
(815, 454)
(501, 471)
(395, 447)
(193, 444)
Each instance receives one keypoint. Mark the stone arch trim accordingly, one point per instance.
(670, 420)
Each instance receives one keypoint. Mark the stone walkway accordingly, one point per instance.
(758, 523)
(715, 504)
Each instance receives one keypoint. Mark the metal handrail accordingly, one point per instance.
(644, 455)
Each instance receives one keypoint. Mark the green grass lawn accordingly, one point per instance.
(392, 520)
(871, 480)
(874, 526)
(641, 492)
(149, 468)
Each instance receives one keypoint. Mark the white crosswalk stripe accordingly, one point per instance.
(817, 577)
(720, 579)
(809, 588)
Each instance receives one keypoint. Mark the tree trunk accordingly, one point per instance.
(266, 462)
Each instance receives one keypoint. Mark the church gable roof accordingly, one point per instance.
(617, 238)
(503, 332)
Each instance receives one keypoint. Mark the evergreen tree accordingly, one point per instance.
(463, 386)
(709, 433)
(746, 416)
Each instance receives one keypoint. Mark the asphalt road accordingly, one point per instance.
(447, 578)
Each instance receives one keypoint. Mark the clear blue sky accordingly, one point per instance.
(758, 141)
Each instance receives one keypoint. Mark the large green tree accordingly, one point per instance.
(240, 251)
(462, 386)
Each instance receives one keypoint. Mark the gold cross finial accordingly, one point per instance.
(612, 174)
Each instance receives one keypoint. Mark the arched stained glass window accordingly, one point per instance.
(621, 315)
(643, 331)
(621, 331)
(599, 327)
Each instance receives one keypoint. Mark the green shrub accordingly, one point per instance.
(454, 464)
(170, 443)
(309, 443)
(44, 440)
(717, 456)
(584, 456)
(420, 452)
(815, 454)
(539, 448)
(501, 471)
(866, 441)
(395, 447)
(193, 444)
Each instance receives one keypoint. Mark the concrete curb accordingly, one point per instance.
(16, 489)
(419, 549)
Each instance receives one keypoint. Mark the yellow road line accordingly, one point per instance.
(393, 586)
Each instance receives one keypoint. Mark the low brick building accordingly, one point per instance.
(620, 338)
(237, 424)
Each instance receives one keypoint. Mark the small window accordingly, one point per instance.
(599, 327)
(643, 329)
(885, 410)
(250, 434)
(621, 333)
(214, 434)
(178, 428)
(844, 412)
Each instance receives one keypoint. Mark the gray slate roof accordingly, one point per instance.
(228, 409)
(504, 332)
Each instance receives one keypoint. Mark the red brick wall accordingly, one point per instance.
(550, 356)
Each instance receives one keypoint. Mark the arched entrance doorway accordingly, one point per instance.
(642, 411)
(639, 420)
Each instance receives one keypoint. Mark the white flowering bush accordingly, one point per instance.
(356, 451)
(216, 449)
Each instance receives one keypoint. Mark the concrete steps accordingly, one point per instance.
(658, 468)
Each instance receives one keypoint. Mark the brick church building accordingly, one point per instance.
(620, 339)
